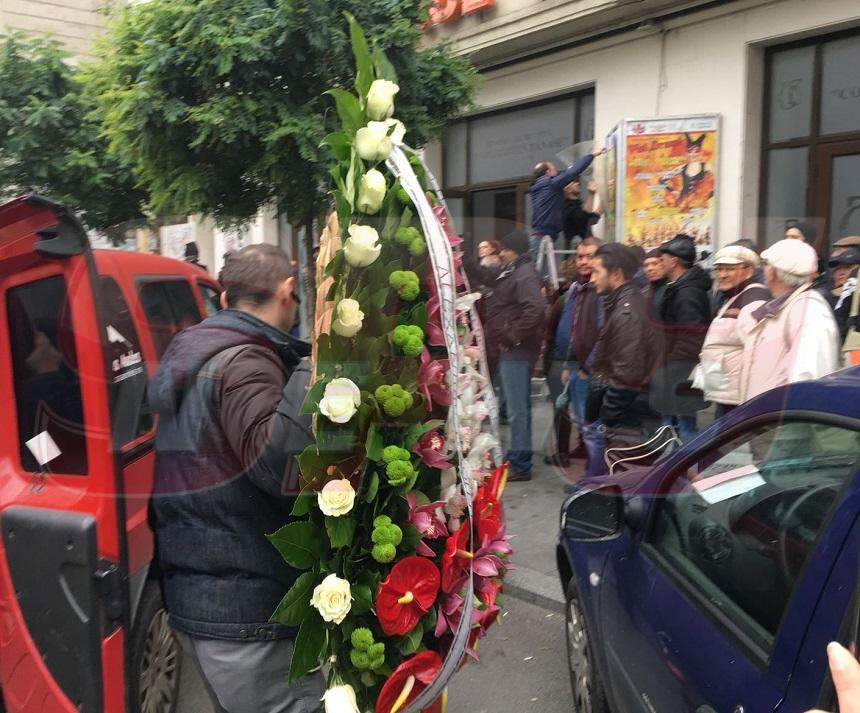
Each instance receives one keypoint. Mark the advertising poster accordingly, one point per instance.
(670, 180)
(610, 186)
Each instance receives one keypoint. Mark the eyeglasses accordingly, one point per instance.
(726, 268)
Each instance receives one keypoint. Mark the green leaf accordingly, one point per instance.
(372, 487)
(406, 217)
(363, 61)
(374, 444)
(409, 643)
(309, 647)
(349, 110)
(313, 398)
(362, 599)
(301, 544)
(304, 502)
(339, 144)
(384, 68)
(411, 538)
(340, 530)
(296, 604)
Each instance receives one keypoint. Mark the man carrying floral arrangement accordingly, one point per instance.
(228, 393)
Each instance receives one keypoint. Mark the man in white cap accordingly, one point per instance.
(718, 373)
(794, 337)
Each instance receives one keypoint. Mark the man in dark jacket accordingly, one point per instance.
(685, 314)
(624, 355)
(515, 322)
(228, 393)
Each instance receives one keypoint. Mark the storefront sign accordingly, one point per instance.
(669, 171)
(448, 10)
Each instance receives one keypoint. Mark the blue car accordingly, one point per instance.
(713, 581)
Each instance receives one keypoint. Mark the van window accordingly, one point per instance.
(211, 298)
(126, 369)
(45, 369)
(170, 307)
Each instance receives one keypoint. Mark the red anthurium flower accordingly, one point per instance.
(433, 382)
(408, 680)
(488, 515)
(457, 560)
(433, 450)
(406, 594)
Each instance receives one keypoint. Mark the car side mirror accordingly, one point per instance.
(593, 514)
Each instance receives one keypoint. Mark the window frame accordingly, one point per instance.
(141, 280)
(757, 655)
(812, 142)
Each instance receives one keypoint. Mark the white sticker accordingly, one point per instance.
(115, 337)
(43, 448)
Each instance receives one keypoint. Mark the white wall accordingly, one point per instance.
(75, 23)
(711, 64)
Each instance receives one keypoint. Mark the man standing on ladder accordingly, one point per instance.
(547, 194)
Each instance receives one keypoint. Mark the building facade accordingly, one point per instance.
(782, 75)
(75, 23)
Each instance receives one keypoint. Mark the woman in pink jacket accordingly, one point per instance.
(794, 336)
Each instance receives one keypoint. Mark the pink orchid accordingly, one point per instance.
(433, 381)
(453, 238)
(433, 328)
(488, 560)
(427, 521)
(433, 450)
(449, 613)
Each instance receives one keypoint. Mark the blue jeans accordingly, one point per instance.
(686, 426)
(577, 389)
(516, 377)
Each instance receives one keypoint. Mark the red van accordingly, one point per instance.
(82, 626)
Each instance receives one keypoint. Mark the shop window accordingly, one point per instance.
(811, 150)
(127, 375)
(455, 155)
(791, 94)
(45, 370)
(840, 91)
(169, 307)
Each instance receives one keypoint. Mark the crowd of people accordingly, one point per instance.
(630, 341)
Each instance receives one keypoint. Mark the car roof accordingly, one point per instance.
(148, 264)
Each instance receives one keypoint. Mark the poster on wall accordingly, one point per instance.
(608, 172)
(669, 172)
(173, 239)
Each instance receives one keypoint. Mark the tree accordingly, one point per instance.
(219, 104)
(50, 144)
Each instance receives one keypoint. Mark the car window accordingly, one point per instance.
(127, 372)
(211, 298)
(45, 369)
(170, 307)
(740, 523)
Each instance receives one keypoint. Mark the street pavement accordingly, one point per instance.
(522, 662)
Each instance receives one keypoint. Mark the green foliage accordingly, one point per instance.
(50, 144)
(301, 544)
(221, 106)
(340, 531)
(296, 604)
(394, 399)
(309, 646)
(410, 339)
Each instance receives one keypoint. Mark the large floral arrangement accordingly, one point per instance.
(399, 525)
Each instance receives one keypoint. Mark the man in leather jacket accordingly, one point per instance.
(624, 354)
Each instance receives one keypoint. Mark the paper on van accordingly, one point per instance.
(43, 448)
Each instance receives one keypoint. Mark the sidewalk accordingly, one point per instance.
(532, 516)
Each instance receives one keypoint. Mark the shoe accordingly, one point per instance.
(515, 476)
(560, 460)
(578, 453)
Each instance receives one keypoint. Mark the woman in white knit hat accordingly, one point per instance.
(794, 336)
(718, 373)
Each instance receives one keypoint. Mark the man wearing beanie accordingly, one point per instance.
(515, 322)
(718, 374)
(794, 336)
(685, 313)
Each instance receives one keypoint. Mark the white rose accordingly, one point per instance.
(332, 598)
(373, 142)
(371, 192)
(340, 400)
(340, 699)
(362, 246)
(336, 498)
(348, 318)
(399, 130)
(380, 99)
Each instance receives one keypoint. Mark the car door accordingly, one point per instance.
(704, 609)
(63, 598)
